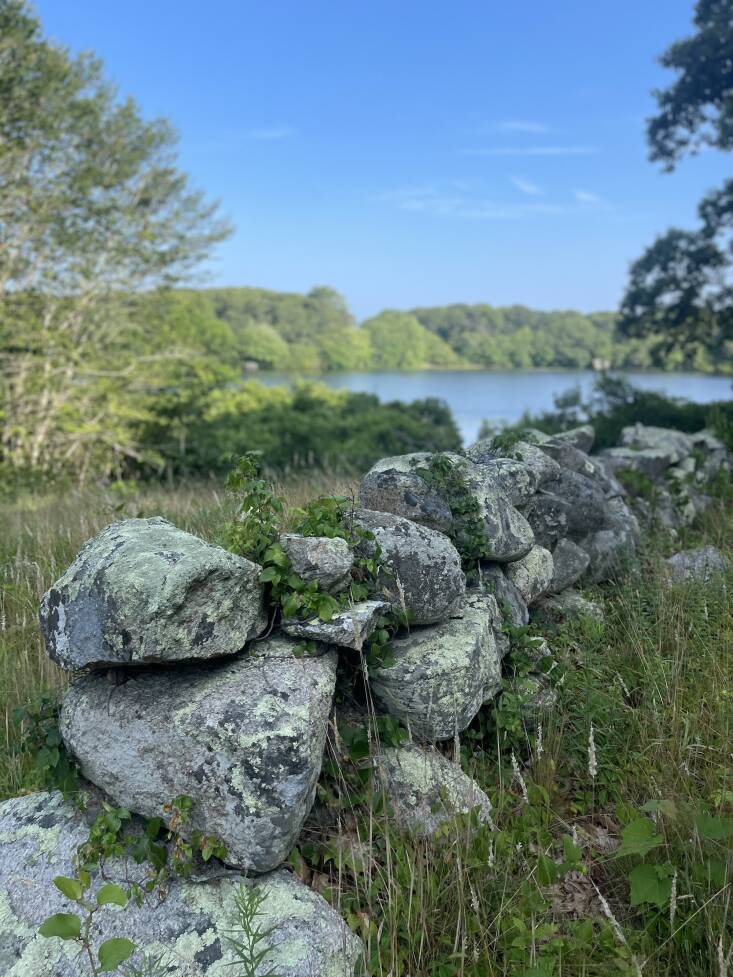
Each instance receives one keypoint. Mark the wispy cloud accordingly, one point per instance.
(533, 151)
(521, 125)
(526, 186)
(438, 201)
(586, 197)
(271, 133)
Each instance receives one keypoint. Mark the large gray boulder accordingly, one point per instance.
(567, 606)
(700, 564)
(427, 791)
(609, 550)
(586, 502)
(392, 485)
(350, 628)
(395, 485)
(515, 480)
(569, 562)
(650, 462)
(145, 591)
(244, 738)
(320, 558)
(571, 458)
(439, 676)
(536, 459)
(424, 575)
(581, 437)
(547, 514)
(40, 834)
(532, 575)
(642, 437)
(510, 602)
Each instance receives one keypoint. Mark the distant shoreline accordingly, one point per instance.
(475, 368)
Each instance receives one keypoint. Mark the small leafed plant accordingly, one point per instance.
(79, 926)
(248, 940)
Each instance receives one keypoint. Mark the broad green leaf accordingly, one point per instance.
(112, 895)
(662, 806)
(650, 883)
(546, 870)
(66, 926)
(71, 888)
(114, 952)
(639, 838)
(714, 828)
(270, 575)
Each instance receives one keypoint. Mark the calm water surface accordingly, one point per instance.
(475, 395)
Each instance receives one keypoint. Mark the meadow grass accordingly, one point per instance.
(616, 860)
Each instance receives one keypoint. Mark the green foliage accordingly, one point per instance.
(94, 212)
(246, 939)
(52, 764)
(680, 287)
(615, 404)
(255, 533)
(79, 926)
(467, 530)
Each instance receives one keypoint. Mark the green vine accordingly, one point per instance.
(255, 534)
(467, 530)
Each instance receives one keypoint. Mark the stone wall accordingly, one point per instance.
(187, 686)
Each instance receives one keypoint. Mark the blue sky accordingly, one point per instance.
(412, 153)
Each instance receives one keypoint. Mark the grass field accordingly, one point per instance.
(613, 823)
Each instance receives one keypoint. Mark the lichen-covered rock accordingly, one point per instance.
(426, 791)
(581, 437)
(244, 738)
(570, 457)
(621, 517)
(567, 606)
(585, 500)
(439, 676)
(508, 535)
(144, 591)
(350, 628)
(532, 575)
(328, 561)
(651, 462)
(535, 458)
(675, 444)
(424, 575)
(40, 834)
(515, 480)
(700, 564)
(609, 551)
(547, 514)
(395, 485)
(392, 485)
(511, 604)
(569, 564)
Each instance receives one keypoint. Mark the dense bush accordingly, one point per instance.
(308, 426)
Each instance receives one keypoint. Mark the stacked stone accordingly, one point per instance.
(168, 705)
(675, 464)
(183, 691)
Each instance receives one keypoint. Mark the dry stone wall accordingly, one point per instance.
(187, 687)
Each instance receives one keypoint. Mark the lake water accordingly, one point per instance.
(495, 395)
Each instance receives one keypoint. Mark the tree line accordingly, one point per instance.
(316, 333)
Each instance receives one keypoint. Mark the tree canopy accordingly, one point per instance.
(93, 210)
(681, 287)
